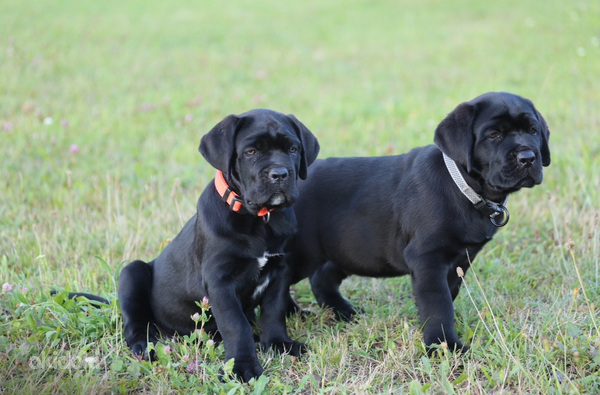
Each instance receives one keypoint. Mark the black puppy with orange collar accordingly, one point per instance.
(232, 250)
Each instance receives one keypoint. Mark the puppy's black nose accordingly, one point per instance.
(278, 174)
(526, 158)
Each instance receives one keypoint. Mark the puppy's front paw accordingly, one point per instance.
(291, 347)
(348, 314)
(247, 369)
(454, 347)
(140, 351)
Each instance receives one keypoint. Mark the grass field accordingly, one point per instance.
(102, 106)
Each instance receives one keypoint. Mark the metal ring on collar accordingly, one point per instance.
(267, 217)
(504, 217)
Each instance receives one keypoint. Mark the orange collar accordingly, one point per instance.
(232, 198)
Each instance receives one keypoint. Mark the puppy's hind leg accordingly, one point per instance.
(292, 306)
(135, 285)
(325, 284)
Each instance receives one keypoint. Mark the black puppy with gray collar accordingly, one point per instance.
(406, 214)
(232, 250)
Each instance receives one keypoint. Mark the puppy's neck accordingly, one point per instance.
(483, 189)
(234, 199)
(477, 182)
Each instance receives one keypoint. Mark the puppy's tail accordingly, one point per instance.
(92, 298)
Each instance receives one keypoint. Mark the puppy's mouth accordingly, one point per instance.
(513, 177)
(525, 182)
(275, 201)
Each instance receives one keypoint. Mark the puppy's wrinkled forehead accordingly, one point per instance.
(508, 112)
(266, 130)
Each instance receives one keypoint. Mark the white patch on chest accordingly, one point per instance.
(262, 260)
(264, 281)
(260, 288)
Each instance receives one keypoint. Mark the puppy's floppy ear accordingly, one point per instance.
(455, 136)
(218, 145)
(544, 149)
(310, 145)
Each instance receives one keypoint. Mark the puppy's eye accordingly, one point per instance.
(250, 152)
(532, 130)
(293, 150)
(494, 135)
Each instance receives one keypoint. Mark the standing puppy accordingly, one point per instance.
(425, 213)
(231, 250)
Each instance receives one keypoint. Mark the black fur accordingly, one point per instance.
(397, 215)
(216, 254)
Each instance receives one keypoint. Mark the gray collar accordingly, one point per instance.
(497, 212)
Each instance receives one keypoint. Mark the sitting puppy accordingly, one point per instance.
(231, 250)
(426, 213)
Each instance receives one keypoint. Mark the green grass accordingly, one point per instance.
(134, 85)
